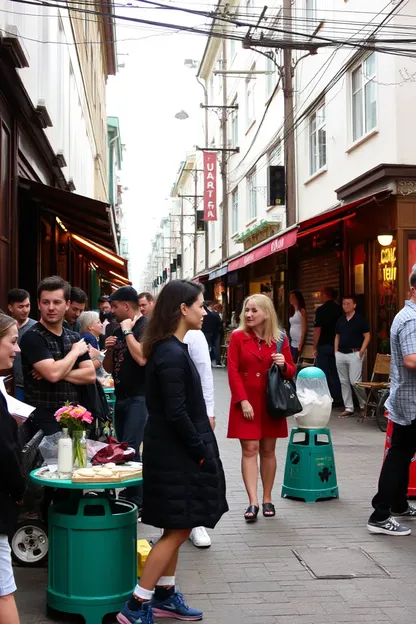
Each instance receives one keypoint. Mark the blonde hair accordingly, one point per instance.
(272, 330)
(6, 322)
(86, 319)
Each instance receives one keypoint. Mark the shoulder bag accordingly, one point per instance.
(282, 400)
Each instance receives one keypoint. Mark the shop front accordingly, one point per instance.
(366, 247)
(66, 234)
(263, 269)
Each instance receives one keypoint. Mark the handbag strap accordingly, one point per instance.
(279, 343)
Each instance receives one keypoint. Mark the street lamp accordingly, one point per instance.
(182, 115)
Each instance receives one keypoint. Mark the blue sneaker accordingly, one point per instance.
(143, 616)
(175, 608)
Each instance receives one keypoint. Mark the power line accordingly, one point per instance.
(300, 118)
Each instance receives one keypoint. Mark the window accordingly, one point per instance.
(317, 140)
(234, 125)
(250, 94)
(364, 98)
(234, 213)
(252, 195)
(271, 77)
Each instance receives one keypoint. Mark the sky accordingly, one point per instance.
(146, 94)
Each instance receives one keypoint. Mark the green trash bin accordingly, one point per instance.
(111, 400)
(92, 556)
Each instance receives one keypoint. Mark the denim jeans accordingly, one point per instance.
(325, 360)
(130, 417)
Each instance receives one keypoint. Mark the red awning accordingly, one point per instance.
(278, 243)
(330, 216)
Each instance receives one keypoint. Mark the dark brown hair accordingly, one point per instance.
(17, 295)
(300, 299)
(49, 284)
(352, 297)
(146, 295)
(166, 314)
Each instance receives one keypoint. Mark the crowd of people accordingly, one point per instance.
(160, 354)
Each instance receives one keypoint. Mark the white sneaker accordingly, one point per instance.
(200, 538)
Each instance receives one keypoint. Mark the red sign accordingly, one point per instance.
(277, 244)
(210, 186)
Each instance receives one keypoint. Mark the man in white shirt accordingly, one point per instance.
(199, 352)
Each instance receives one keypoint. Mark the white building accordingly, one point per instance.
(355, 164)
(54, 66)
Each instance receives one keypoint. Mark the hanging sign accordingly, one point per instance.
(210, 186)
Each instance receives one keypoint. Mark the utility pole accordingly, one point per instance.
(181, 235)
(289, 132)
(195, 221)
(224, 162)
(206, 118)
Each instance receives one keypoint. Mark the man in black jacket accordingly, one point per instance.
(124, 360)
(212, 327)
(326, 318)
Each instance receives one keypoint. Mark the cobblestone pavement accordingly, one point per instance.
(251, 575)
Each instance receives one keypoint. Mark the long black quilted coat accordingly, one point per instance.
(179, 493)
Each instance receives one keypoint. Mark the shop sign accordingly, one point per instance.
(388, 263)
(210, 186)
(278, 244)
(218, 273)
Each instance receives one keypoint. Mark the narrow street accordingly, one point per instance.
(251, 575)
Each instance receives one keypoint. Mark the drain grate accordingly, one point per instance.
(340, 563)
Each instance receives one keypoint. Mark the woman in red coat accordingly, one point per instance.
(251, 352)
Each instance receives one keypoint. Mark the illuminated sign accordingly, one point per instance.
(388, 257)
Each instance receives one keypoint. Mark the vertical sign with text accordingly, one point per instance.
(210, 186)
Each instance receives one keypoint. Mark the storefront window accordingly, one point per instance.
(411, 250)
(387, 295)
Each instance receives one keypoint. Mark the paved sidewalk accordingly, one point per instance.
(251, 574)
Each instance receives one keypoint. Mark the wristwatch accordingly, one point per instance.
(127, 332)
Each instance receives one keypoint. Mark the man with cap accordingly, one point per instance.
(125, 362)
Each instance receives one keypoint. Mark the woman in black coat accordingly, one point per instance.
(12, 483)
(183, 478)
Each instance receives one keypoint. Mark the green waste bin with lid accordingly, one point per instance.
(92, 565)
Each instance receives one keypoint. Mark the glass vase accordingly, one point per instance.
(79, 449)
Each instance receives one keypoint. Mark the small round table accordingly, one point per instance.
(92, 560)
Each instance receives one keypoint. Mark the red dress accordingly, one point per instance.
(248, 364)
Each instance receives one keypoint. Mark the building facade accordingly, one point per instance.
(355, 186)
(54, 211)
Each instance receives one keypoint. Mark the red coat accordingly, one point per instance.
(247, 374)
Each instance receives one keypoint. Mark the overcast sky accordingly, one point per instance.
(146, 94)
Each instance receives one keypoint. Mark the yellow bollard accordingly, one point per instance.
(143, 550)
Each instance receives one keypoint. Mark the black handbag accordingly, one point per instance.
(282, 400)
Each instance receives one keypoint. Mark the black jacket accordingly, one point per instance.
(179, 493)
(12, 482)
(212, 323)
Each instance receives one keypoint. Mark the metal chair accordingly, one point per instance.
(375, 386)
(224, 347)
(306, 358)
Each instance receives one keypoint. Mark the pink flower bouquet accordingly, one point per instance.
(73, 417)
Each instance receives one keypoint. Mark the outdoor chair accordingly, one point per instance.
(380, 381)
(306, 358)
(224, 347)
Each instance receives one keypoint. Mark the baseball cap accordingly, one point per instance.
(125, 293)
